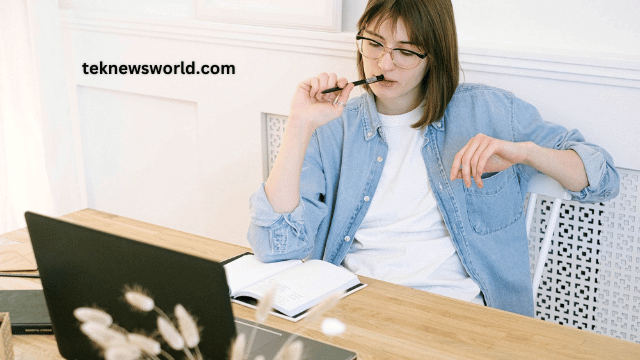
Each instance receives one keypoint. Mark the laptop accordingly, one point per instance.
(84, 267)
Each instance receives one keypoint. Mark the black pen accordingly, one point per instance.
(370, 80)
(20, 275)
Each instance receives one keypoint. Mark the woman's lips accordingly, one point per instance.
(385, 83)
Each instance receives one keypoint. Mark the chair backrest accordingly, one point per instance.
(542, 184)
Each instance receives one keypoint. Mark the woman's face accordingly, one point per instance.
(400, 91)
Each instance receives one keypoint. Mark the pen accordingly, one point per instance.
(370, 80)
(21, 275)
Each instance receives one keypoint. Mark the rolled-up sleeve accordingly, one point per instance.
(603, 178)
(282, 236)
(273, 235)
(604, 181)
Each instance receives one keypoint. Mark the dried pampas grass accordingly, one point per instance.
(266, 303)
(145, 343)
(262, 313)
(117, 343)
(180, 332)
(122, 352)
(86, 314)
(170, 334)
(187, 326)
(102, 335)
(332, 327)
(315, 313)
(325, 305)
(139, 301)
(237, 348)
(291, 351)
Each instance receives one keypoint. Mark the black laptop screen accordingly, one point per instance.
(83, 267)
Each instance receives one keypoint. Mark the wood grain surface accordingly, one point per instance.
(384, 321)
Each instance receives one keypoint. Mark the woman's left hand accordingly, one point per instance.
(485, 154)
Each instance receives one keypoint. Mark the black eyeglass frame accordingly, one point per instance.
(421, 56)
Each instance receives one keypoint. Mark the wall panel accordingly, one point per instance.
(224, 113)
(141, 156)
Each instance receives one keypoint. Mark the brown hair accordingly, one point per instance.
(431, 26)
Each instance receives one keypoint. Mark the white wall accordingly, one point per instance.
(185, 151)
(608, 28)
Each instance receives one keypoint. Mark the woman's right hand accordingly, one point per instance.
(310, 109)
(314, 108)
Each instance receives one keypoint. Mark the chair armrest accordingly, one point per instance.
(542, 184)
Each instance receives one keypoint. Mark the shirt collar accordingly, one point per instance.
(371, 121)
(439, 125)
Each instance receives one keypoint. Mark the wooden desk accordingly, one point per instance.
(384, 321)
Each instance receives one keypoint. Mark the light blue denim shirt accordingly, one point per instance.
(344, 161)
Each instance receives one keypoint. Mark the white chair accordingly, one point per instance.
(544, 185)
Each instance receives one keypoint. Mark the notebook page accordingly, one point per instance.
(248, 270)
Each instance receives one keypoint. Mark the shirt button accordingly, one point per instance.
(366, 198)
(369, 134)
(346, 238)
(379, 158)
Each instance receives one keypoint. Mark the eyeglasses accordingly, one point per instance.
(374, 50)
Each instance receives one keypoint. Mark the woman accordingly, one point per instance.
(420, 181)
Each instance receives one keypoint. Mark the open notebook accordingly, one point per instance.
(301, 284)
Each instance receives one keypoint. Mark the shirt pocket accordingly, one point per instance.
(497, 205)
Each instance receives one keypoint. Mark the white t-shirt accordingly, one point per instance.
(403, 238)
